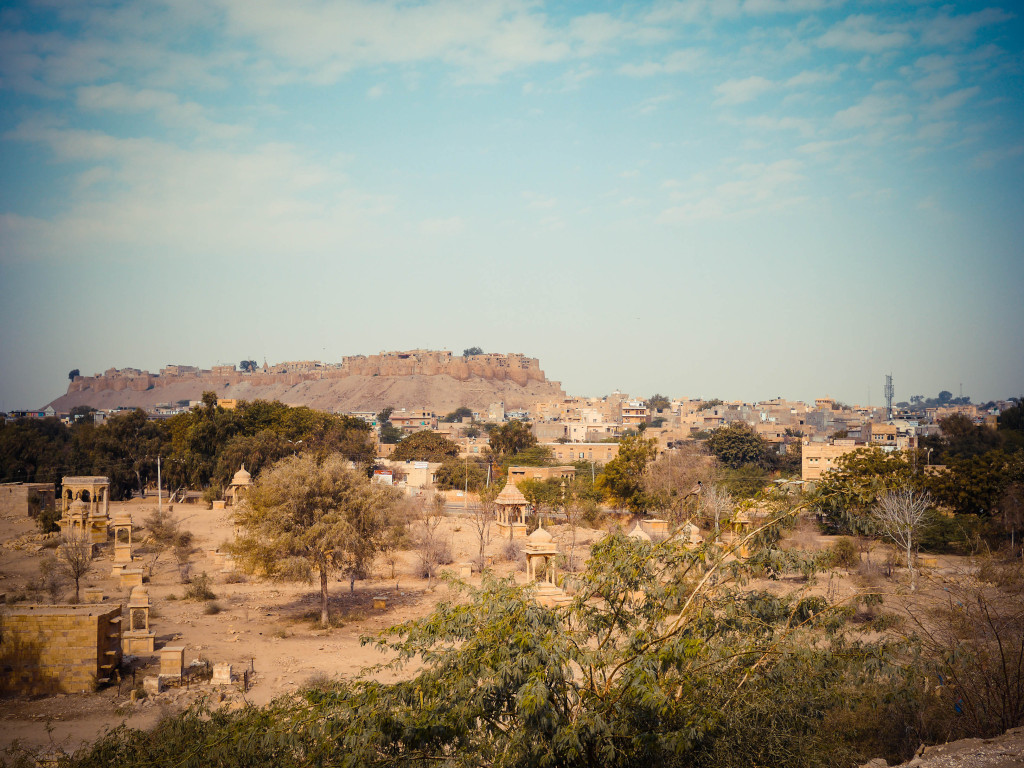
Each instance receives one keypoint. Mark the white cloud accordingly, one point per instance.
(811, 77)
(682, 60)
(801, 125)
(993, 157)
(536, 200)
(944, 30)
(453, 225)
(756, 188)
(654, 103)
(158, 200)
(949, 103)
(376, 91)
(483, 38)
(872, 111)
(117, 97)
(864, 33)
(741, 91)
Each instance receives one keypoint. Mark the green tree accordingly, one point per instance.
(622, 479)
(472, 351)
(458, 475)
(738, 444)
(306, 516)
(962, 438)
(460, 413)
(846, 495)
(72, 373)
(658, 402)
(136, 440)
(1013, 417)
(975, 485)
(425, 446)
(534, 456)
(510, 438)
(389, 433)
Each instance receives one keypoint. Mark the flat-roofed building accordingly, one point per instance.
(819, 458)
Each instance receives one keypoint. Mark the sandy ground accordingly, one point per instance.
(266, 627)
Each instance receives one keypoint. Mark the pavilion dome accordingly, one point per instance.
(540, 536)
(639, 533)
(510, 494)
(242, 477)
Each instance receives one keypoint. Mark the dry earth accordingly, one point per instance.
(441, 393)
(266, 627)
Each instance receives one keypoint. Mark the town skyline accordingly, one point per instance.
(738, 199)
(279, 368)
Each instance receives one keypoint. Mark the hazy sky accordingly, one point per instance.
(731, 198)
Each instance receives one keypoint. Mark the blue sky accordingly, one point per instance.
(737, 198)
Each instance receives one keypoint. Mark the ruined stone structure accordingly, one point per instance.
(58, 648)
(138, 639)
(26, 498)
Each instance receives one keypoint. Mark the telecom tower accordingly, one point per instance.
(888, 396)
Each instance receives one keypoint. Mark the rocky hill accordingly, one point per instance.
(432, 380)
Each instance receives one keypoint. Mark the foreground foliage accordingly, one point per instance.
(663, 657)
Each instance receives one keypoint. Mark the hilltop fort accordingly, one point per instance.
(424, 378)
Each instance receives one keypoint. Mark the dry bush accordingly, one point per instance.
(512, 550)
(1007, 573)
(973, 638)
(844, 553)
(199, 588)
(803, 536)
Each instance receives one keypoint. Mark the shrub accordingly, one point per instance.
(511, 550)
(199, 588)
(844, 553)
(212, 609)
(48, 517)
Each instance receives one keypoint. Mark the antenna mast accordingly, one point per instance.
(888, 396)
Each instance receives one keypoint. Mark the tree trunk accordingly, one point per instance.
(324, 618)
(910, 566)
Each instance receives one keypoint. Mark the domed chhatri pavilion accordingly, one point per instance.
(85, 507)
(511, 511)
(239, 486)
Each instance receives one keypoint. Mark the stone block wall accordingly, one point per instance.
(14, 498)
(58, 648)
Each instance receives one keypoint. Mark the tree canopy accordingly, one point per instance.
(425, 446)
(510, 438)
(738, 444)
(622, 479)
(307, 515)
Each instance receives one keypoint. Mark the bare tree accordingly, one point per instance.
(901, 514)
(673, 482)
(75, 556)
(576, 510)
(482, 517)
(714, 503)
(431, 548)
